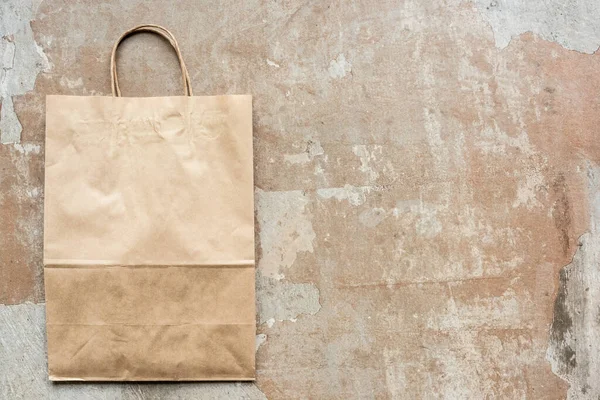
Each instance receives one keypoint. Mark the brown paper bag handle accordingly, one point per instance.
(159, 30)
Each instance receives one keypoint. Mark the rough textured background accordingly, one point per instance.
(424, 171)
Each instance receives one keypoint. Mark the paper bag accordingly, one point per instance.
(149, 235)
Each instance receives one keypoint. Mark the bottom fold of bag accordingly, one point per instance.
(150, 352)
(150, 324)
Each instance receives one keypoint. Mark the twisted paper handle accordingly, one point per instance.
(159, 30)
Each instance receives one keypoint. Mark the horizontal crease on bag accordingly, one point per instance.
(95, 264)
(210, 124)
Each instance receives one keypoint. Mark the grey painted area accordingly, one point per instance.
(574, 350)
(285, 301)
(17, 48)
(286, 230)
(574, 24)
(23, 371)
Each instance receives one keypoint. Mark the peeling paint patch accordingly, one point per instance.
(502, 311)
(71, 83)
(367, 156)
(372, 217)
(260, 339)
(561, 211)
(428, 224)
(529, 189)
(285, 301)
(313, 149)
(10, 127)
(22, 60)
(339, 67)
(285, 230)
(572, 24)
(28, 148)
(355, 195)
(574, 348)
(467, 364)
(33, 192)
(301, 158)
(272, 63)
(395, 377)
(496, 141)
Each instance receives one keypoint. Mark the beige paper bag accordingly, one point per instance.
(149, 235)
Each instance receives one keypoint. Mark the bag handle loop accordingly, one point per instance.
(159, 30)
